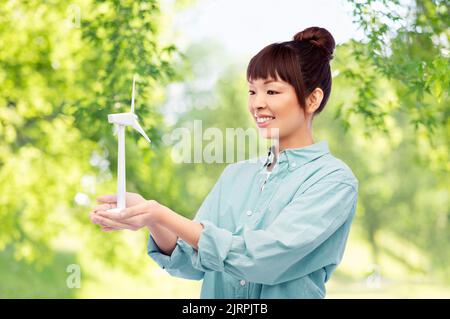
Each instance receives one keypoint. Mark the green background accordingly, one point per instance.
(65, 65)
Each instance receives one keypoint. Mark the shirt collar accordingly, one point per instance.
(297, 157)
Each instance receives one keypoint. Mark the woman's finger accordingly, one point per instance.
(108, 229)
(118, 216)
(133, 211)
(109, 215)
(104, 207)
(91, 217)
(126, 213)
(110, 223)
(107, 199)
(95, 220)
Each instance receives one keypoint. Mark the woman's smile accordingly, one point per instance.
(264, 120)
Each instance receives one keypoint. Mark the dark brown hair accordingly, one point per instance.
(303, 62)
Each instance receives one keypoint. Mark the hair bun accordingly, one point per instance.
(320, 37)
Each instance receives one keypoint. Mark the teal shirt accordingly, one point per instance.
(277, 235)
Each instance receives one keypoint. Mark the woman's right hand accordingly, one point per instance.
(110, 201)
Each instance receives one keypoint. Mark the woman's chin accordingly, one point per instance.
(269, 132)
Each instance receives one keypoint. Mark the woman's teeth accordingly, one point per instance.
(263, 119)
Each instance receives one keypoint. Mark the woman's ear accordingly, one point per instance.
(313, 100)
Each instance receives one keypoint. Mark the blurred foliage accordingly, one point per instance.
(399, 193)
(401, 76)
(63, 67)
(408, 43)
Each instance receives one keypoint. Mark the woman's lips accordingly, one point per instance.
(264, 123)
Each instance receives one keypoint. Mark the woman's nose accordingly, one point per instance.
(259, 102)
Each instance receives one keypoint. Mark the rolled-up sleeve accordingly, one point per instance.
(180, 262)
(284, 250)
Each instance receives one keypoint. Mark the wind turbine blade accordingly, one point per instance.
(133, 94)
(138, 128)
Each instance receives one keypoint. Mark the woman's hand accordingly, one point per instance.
(166, 225)
(144, 214)
(110, 201)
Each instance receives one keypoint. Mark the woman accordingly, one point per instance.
(271, 229)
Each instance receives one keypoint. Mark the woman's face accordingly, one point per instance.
(274, 107)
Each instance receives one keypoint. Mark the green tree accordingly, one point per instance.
(406, 47)
(408, 44)
(63, 67)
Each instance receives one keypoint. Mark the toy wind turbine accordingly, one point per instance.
(121, 120)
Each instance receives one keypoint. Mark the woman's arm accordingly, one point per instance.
(185, 228)
(164, 238)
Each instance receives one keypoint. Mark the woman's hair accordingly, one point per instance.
(303, 62)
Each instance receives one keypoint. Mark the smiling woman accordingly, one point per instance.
(294, 79)
(271, 228)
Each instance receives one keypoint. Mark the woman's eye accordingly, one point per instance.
(270, 92)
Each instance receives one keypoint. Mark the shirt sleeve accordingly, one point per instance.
(284, 250)
(180, 262)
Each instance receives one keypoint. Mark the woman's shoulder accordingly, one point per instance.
(333, 169)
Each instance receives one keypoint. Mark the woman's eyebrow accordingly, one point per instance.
(267, 82)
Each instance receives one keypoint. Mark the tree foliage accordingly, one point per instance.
(63, 68)
(408, 44)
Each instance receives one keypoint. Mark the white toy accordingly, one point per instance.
(121, 120)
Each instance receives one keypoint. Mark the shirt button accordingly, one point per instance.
(249, 213)
(293, 164)
(242, 282)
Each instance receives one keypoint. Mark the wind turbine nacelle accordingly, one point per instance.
(127, 119)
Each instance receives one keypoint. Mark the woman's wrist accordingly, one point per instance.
(159, 217)
(156, 211)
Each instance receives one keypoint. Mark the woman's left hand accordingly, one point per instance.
(132, 218)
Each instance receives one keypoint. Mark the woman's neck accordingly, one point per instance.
(299, 139)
